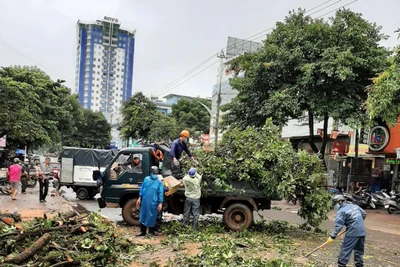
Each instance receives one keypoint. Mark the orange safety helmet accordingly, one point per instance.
(185, 133)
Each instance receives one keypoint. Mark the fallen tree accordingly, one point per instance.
(259, 156)
(65, 240)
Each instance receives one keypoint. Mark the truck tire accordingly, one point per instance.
(130, 213)
(82, 193)
(238, 217)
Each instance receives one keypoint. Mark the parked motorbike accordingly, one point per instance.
(364, 199)
(392, 204)
(5, 186)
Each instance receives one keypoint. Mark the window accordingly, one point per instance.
(98, 79)
(124, 38)
(98, 59)
(98, 72)
(117, 76)
(117, 69)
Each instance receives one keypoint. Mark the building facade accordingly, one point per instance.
(165, 107)
(235, 47)
(104, 64)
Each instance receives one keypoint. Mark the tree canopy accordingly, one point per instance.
(191, 115)
(37, 111)
(384, 96)
(92, 131)
(138, 114)
(309, 66)
(257, 155)
(164, 129)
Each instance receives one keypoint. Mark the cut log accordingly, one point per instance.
(29, 252)
(24, 235)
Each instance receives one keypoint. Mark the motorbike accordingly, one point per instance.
(5, 186)
(364, 200)
(32, 182)
(392, 204)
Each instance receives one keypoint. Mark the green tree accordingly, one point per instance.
(92, 131)
(42, 98)
(19, 118)
(257, 155)
(191, 115)
(384, 96)
(309, 66)
(138, 114)
(164, 128)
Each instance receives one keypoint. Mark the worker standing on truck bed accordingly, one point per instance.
(150, 201)
(192, 182)
(178, 146)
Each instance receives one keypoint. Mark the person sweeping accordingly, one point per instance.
(352, 217)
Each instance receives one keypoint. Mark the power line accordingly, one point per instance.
(185, 75)
(177, 85)
(172, 85)
(30, 59)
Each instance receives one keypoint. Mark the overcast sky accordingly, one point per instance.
(172, 36)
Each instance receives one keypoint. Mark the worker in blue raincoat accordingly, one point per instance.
(150, 201)
(351, 216)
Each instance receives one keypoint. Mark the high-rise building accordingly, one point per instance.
(104, 65)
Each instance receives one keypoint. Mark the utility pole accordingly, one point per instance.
(221, 56)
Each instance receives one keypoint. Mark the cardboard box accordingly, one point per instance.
(172, 184)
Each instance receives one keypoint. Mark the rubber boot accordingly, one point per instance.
(143, 229)
(153, 231)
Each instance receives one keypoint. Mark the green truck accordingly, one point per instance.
(120, 188)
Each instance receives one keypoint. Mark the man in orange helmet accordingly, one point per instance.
(178, 146)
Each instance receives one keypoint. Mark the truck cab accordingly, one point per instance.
(121, 182)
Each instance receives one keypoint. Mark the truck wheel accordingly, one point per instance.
(238, 217)
(82, 193)
(130, 213)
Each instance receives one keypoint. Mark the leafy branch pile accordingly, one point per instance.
(65, 240)
(244, 248)
(259, 156)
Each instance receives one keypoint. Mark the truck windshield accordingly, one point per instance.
(131, 163)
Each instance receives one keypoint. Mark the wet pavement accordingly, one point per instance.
(378, 220)
(28, 204)
(113, 214)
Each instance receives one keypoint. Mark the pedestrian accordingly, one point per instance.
(25, 178)
(352, 217)
(44, 181)
(14, 175)
(150, 201)
(178, 146)
(192, 182)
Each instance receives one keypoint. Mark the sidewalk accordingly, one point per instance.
(29, 206)
(377, 220)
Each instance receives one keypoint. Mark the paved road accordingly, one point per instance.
(378, 220)
(91, 205)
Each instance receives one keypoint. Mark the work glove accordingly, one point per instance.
(176, 162)
(330, 240)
